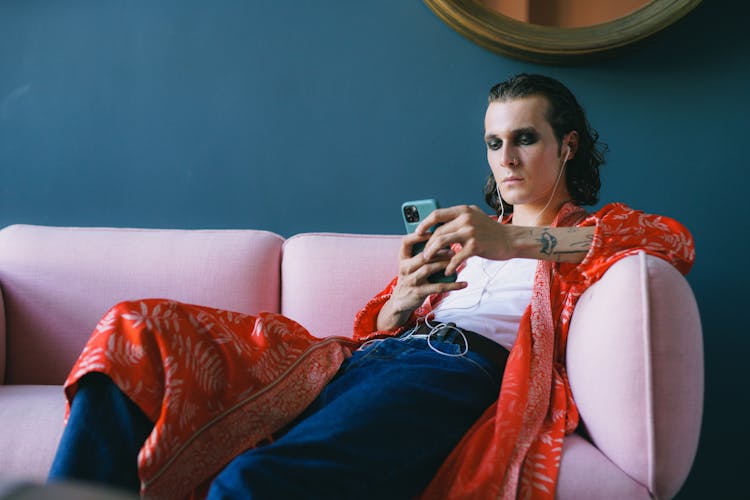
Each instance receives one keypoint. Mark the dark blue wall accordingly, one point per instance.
(325, 115)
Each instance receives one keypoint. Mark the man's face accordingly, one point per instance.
(524, 154)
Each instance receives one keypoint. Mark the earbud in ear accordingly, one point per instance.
(567, 155)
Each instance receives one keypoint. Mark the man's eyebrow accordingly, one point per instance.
(524, 130)
(515, 133)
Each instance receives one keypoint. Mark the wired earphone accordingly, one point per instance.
(490, 279)
(552, 195)
(435, 328)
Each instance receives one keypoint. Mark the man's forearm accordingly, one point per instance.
(558, 244)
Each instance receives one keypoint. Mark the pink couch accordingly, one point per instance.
(635, 355)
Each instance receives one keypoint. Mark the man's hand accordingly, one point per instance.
(478, 235)
(481, 236)
(413, 287)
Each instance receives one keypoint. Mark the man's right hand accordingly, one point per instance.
(413, 287)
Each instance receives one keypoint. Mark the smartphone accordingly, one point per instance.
(414, 212)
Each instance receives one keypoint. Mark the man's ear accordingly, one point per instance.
(570, 141)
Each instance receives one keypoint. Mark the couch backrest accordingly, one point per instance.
(57, 283)
(635, 364)
(316, 289)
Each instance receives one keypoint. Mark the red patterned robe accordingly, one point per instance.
(216, 383)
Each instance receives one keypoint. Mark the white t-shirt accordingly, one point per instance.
(496, 297)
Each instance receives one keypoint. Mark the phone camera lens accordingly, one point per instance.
(411, 213)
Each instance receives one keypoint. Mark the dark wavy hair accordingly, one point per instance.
(563, 114)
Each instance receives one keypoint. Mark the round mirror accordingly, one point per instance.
(559, 31)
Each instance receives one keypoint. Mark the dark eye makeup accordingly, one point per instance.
(521, 137)
(526, 136)
(494, 143)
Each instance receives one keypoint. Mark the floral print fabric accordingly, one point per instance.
(215, 383)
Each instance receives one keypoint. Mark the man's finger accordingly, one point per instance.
(441, 215)
(456, 261)
(407, 244)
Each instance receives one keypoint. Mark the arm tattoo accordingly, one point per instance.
(561, 250)
(584, 243)
(548, 242)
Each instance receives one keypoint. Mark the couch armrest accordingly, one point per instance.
(635, 363)
(2, 336)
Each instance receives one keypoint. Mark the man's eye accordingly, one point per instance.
(526, 139)
(494, 144)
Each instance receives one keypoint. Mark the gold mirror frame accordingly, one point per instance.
(550, 45)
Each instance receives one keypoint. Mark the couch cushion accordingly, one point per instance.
(603, 479)
(32, 423)
(327, 278)
(58, 282)
(635, 365)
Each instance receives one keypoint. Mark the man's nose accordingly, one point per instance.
(509, 158)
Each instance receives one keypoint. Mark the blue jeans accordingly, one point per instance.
(381, 428)
(104, 433)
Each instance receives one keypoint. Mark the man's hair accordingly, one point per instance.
(563, 114)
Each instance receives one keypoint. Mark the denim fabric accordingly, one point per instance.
(380, 429)
(104, 433)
